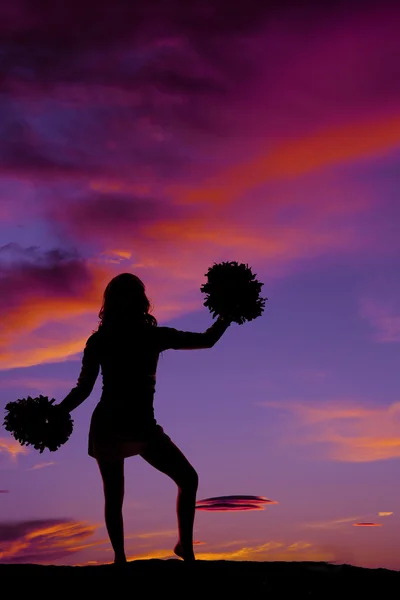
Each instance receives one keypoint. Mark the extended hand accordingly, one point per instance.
(61, 407)
(226, 319)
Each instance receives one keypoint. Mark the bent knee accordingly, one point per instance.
(191, 481)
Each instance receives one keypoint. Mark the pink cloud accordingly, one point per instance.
(42, 465)
(344, 430)
(384, 318)
(233, 503)
(367, 524)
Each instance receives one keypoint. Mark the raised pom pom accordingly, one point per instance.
(37, 422)
(233, 291)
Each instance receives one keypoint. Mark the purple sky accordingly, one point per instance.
(159, 140)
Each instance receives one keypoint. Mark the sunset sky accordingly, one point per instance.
(159, 137)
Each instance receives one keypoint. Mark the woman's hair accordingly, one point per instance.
(125, 302)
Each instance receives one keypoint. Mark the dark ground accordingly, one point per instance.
(222, 579)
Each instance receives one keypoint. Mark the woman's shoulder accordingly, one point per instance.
(94, 338)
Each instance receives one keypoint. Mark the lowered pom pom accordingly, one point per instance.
(38, 422)
(233, 291)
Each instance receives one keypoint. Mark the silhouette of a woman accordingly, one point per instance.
(126, 346)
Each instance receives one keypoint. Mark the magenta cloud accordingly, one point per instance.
(234, 503)
(4, 491)
(139, 92)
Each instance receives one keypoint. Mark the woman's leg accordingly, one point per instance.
(113, 484)
(167, 458)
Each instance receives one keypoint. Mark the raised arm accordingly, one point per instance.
(87, 378)
(190, 340)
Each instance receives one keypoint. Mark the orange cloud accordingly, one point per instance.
(43, 289)
(326, 147)
(42, 541)
(12, 357)
(268, 551)
(384, 514)
(42, 465)
(272, 551)
(152, 534)
(348, 431)
(12, 447)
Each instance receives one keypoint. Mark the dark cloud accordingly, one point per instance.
(367, 524)
(233, 503)
(53, 32)
(4, 491)
(32, 272)
(23, 150)
(124, 43)
(46, 40)
(39, 541)
(12, 531)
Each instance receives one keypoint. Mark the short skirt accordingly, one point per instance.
(116, 435)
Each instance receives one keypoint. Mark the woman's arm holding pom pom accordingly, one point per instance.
(87, 377)
(190, 340)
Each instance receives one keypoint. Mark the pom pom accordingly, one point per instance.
(233, 291)
(37, 422)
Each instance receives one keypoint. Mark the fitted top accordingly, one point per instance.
(128, 360)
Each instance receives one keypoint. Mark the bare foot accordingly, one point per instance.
(187, 557)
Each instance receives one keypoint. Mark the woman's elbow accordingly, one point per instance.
(211, 343)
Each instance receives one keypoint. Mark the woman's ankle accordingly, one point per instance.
(186, 554)
(119, 558)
